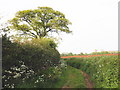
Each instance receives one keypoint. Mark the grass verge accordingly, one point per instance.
(71, 78)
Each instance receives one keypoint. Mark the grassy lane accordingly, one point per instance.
(71, 78)
(88, 82)
(103, 70)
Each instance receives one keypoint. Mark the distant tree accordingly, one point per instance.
(70, 54)
(39, 22)
(81, 53)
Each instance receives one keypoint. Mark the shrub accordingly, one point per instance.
(24, 60)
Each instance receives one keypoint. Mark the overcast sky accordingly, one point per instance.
(94, 22)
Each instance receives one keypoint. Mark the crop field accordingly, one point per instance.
(103, 70)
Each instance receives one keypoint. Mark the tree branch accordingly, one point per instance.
(49, 30)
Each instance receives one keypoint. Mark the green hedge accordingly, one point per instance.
(103, 70)
(27, 59)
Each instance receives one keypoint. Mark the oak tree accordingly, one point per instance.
(39, 22)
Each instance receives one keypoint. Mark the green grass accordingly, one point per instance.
(71, 77)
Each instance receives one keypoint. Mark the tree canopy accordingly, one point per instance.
(39, 22)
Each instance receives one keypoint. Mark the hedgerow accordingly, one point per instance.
(25, 60)
(103, 69)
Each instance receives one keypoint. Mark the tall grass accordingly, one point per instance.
(103, 69)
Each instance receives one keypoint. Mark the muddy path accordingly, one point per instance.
(89, 84)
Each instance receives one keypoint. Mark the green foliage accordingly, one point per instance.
(70, 77)
(39, 22)
(48, 79)
(103, 70)
(53, 77)
(24, 60)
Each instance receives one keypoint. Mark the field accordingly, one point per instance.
(103, 70)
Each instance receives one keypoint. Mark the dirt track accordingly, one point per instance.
(89, 84)
(89, 55)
